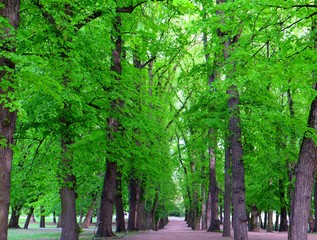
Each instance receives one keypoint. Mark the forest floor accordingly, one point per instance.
(177, 229)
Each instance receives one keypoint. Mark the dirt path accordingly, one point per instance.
(177, 229)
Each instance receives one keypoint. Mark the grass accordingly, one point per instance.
(50, 232)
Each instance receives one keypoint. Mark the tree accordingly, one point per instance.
(9, 15)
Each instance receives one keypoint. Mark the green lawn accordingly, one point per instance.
(49, 232)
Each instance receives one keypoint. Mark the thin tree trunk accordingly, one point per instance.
(132, 204)
(89, 214)
(227, 196)
(120, 223)
(203, 208)
(28, 218)
(269, 221)
(283, 220)
(153, 222)
(42, 217)
(265, 220)
(54, 217)
(213, 189)
(276, 228)
(10, 10)
(208, 210)
(254, 224)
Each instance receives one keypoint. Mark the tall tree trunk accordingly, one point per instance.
(120, 223)
(107, 201)
(132, 204)
(9, 10)
(227, 196)
(305, 169)
(15, 216)
(28, 218)
(109, 187)
(305, 175)
(240, 218)
(67, 192)
(213, 189)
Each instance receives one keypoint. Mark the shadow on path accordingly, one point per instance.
(177, 229)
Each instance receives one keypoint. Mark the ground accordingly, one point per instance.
(177, 229)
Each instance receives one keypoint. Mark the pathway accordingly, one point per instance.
(177, 229)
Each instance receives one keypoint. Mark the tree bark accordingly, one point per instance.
(276, 228)
(283, 220)
(265, 220)
(109, 187)
(89, 214)
(204, 208)
(42, 217)
(283, 216)
(269, 221)
(254, 224)
(9, 10)
(132, 204)
(305, 175)
(227, 196)
(213, 189)
(120, 223)
(142, 216)
(153, 218)
(28, 218)
(240, 218)
(107, 201)
(315, 204)
(67, 192)
(15, 216)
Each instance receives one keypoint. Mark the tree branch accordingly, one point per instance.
(88, 19)
(179, 110)
(131, 8)
(46, 15)
(299, 20)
